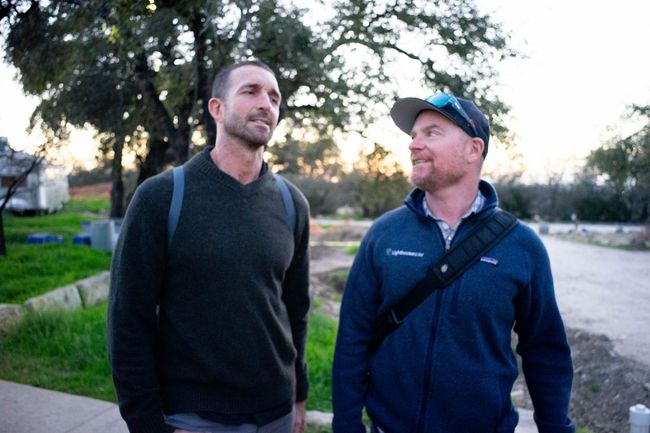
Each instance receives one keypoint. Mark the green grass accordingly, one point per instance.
(60, 351)
(352, 250)
(338, 280)
(318, 429)
(29, 270)
(88, 204)
(319, 354)
(67, 352)
(66, 223)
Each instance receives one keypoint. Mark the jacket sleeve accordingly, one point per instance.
(137, 272)
(543, 346)
(295, 294)
(352, 352)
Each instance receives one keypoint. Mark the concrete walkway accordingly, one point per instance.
(26, 409)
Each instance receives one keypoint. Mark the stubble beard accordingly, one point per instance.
(253, 136)
(435, 180)
(427, 183)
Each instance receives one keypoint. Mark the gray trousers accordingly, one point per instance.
(194, 423)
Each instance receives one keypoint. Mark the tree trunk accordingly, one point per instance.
(202, 84)
(161, 119)
(182, 142)
(209, 125)
(155, 160)
(117, 190)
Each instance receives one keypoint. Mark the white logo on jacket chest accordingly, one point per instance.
(396, 253)
(490, 260)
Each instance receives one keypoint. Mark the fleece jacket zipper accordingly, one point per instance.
(428, 364)
(421, 423)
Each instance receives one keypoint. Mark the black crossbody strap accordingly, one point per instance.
(444, 271)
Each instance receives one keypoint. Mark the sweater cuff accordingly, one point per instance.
(302, 385)
(549, 427)
(150, 425)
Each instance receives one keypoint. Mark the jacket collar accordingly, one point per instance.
(414, 201)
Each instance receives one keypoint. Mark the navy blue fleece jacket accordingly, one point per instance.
(450, 367)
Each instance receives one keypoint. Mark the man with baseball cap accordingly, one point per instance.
(449, 366)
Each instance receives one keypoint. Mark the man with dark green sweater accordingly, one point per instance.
(207, 332)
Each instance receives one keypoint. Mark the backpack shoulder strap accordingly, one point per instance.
(449, 267)
(176, 203)
(287, 199)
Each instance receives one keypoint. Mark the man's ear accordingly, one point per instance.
(476, 149)
(215, 106)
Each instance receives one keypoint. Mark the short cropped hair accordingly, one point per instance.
(220, 83)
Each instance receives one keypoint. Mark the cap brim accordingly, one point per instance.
(406, 110)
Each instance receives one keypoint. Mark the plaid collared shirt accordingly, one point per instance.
(448, 232)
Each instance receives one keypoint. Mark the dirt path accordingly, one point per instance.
(604, 291)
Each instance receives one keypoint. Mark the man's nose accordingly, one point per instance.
(416, 144)
(264, 102)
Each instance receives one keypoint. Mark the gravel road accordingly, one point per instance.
(604, 291)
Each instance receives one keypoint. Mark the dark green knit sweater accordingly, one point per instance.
(233, 296)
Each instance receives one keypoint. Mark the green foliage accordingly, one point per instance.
(314, 159)
(514, 200)
(30, 270)
(376, 185)
(93, 176)
(589, 200)
(625, 166)
(324, 196)
(601, 205)
(67, 352)
(382, 183)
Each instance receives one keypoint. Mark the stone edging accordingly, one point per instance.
(84, 293)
